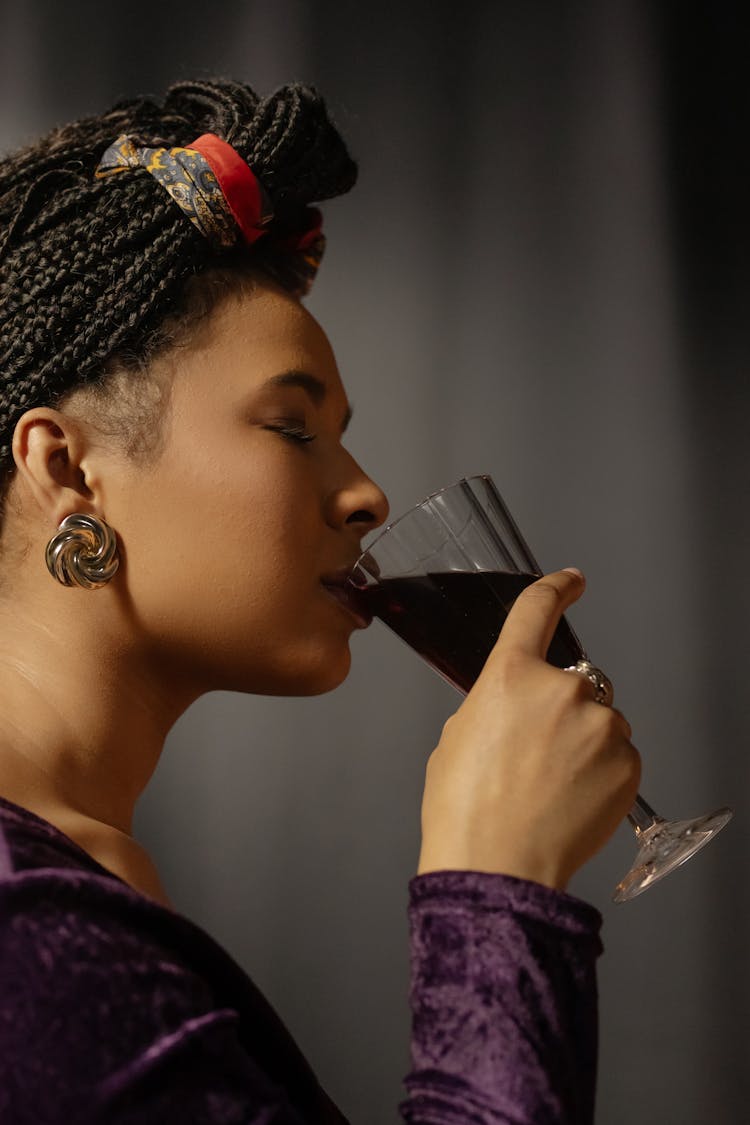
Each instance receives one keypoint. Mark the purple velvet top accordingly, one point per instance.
(116, 1009)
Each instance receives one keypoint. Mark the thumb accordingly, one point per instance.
(536, 612)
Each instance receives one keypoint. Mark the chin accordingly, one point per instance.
(325, 678)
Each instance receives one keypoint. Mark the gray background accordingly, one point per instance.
(542, 275)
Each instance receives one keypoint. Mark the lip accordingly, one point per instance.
(337, 586)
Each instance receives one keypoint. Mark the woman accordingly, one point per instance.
(179, 510)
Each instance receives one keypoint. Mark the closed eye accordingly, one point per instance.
(292, 433)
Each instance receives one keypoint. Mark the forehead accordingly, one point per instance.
(252, 335)
(274, 332)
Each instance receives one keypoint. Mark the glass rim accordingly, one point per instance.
(415, 507)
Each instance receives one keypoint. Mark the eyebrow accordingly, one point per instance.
(315, 388)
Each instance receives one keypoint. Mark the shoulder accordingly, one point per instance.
(87, 981)
(91, 972)
(69, 926)
(108, 999)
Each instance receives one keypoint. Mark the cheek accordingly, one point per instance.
(222, 571)
(221, 543)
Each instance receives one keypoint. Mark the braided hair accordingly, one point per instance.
(97, 277)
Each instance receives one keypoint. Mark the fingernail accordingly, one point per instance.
(574, 570)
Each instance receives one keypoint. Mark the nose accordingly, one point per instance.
(360, 503)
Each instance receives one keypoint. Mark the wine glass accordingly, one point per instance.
(443, 577)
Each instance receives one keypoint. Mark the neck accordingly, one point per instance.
(84, 713)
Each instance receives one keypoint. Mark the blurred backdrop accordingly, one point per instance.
(543, 275)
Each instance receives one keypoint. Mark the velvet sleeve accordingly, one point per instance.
(504, 1006)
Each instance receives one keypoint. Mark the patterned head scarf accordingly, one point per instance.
(220, 195)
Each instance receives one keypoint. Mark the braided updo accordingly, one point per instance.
(98, 276)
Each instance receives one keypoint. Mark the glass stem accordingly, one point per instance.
(642, 816)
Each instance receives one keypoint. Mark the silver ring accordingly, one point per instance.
(604, 692)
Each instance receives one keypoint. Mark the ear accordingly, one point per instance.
(50, 450)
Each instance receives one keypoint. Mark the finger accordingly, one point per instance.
(536, 613)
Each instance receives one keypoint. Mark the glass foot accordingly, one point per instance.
(664, 846)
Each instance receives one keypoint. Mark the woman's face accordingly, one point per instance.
(225, 540)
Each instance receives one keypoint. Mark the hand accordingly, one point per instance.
(531, 776)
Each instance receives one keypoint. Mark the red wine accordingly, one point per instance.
(453, 619)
